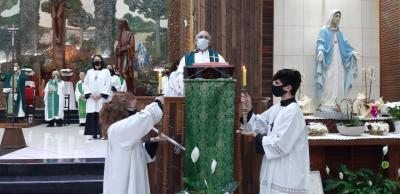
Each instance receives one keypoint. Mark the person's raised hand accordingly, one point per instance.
(246, 100)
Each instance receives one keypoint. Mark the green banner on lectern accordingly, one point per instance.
(209, 125)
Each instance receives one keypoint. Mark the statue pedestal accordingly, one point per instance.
(13, 136)
(330, 115)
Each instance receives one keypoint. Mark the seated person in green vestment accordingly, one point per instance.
(202, 54)
(80, 99)
(54, 100)
(14, 89)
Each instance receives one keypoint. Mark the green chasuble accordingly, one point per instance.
(12, 105)
(189, 58)
(82, 103)
(209, 125)
(53, 100)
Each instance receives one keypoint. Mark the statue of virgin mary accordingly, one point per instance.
(336, 64)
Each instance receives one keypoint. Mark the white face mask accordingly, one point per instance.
(15, 68)
(202, 44)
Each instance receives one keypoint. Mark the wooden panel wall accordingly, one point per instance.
(389, 26)
(235, 27)
(267, 47)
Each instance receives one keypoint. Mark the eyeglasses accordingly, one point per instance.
(203, 36)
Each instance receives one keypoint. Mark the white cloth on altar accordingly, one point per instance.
(286, 163)
(61, 99)
(97, 82)
(69, 90)
(335, 78)
(125, 169)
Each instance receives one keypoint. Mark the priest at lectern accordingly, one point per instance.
(202, 54)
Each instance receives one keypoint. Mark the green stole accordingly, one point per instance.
(189, 58)
(121, 80)
(53, 100)
(82, 103)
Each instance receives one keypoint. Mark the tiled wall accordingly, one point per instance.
(296, 27)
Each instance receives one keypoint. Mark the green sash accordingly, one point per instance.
(121, 80)
(82, 103)
(53, 100)
(189, 58)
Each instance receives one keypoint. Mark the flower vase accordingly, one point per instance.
(396, 127)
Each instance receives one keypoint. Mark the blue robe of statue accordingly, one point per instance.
(325, 44)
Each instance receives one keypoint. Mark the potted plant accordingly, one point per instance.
(362, 181)
(393, 108)
(205, 185)
(351, 125)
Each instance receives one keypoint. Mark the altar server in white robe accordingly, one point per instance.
(115, 81)
(282, 138)
(125, 169)
(54, 100)
(202, 54)
(175, 81)
(97, 88)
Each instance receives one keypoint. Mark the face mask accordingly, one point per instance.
(132, 112)
(278, 91)
(15, 68)
(202, 44)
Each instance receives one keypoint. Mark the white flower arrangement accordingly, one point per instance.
(317, 129)
(377, 128)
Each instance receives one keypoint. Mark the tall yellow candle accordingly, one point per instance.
(244, 74)
(159, 82)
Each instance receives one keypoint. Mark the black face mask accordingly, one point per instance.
(132, 112)
(278, 91)
(97, 63)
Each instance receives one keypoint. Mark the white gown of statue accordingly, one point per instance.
(335, 77)
(125, 170)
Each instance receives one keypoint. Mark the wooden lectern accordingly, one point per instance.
(209, 70)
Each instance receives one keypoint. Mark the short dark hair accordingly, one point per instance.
(289, 77)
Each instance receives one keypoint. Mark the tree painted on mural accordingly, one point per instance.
(5, 22)
(104, 15)
(154, 9)
(29, 22)
(59, 11)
